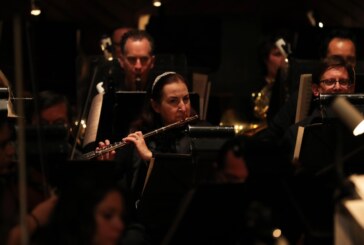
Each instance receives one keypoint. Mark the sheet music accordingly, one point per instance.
(201, 87)
(5, 82)
(297, 148)
(304, 97)
(93, 119)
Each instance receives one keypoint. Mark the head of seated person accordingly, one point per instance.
(340, 42)
(231, 166)
(136, 58)
(88, 213)
(169, 101)
(53, 109)
(333, 75)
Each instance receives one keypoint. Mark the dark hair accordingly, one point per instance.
(136, 34)
(330, 63)
(150, 119)
(335, 33)
(47, 99)
(264, 49)
(73, 220)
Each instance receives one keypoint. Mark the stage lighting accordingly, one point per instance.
(35, 10)
(349, 115)
(157, 3)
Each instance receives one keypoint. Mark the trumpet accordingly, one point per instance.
(120, 144)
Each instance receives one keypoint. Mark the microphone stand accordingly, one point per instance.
(21, 131)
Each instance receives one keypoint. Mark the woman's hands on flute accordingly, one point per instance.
(139, 142)
(108, 155)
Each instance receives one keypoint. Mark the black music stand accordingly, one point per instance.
(169, 178)
(70, 173)
(329, 152)
(210, 214)
(206, 142)
(46, 146)
(319, 145)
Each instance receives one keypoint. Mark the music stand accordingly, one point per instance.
(206, 142)
(70, 173)
(209, 214)
(319, 145)
(169, 178)
(46, 145)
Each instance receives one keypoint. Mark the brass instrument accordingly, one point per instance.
(261, 102)
(120, 144)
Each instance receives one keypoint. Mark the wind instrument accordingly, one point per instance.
(119, 144)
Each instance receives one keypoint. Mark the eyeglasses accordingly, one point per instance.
(331, 82)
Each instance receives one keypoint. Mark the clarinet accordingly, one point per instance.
(119, 144)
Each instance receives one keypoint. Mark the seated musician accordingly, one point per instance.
(314, 189)
(169, 103)
(333, 75)
(54, 109)
(39, 208)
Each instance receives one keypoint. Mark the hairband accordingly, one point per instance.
(159, 78)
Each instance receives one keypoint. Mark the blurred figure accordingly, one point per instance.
(272, 61)
(39, 209)
(116, 37)
(54, 109)
(88, 213)
(340, 43)
(231, 165)
(269, 89)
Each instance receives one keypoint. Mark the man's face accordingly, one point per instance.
(137, 62)
(344, 48)
(334, 80)
(57, 114)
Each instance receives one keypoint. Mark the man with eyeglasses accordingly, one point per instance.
(333, 76)
(313, 184)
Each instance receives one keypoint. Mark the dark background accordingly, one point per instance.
(219, 38)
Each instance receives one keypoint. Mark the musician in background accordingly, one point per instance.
(231, 165)
(168, 102)
(39, 208)
(333, 75)
(133, 59)
(54, 109)
(137, 59)
(338, 43)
